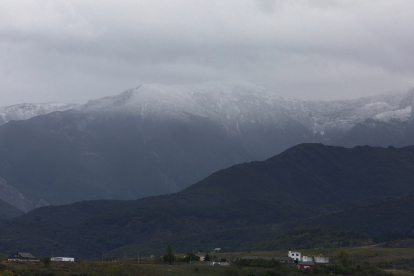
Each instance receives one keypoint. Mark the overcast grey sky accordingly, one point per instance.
(71, 51)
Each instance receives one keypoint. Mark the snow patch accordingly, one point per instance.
(401, 115)
(28, 110)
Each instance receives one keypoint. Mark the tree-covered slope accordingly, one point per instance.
(305, 181)
(112, 226)
(313, 175)
(393, 216)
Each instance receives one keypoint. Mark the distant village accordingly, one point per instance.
(28, 257)
(293, 258)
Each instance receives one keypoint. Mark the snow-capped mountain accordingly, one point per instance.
(157, 139)
(29, 110)
(228, 102)
(219, 101)
(321, 116)
(243, 102)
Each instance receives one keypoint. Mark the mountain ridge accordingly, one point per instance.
(158, 139)
(269, 196)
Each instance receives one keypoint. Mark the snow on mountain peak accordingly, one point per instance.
(213, 100)
(401, 115)
(242, 102)
(28, 110)
(234, 103)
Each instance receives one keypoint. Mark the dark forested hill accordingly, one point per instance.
(308, 180)
(313, 175)
(393, 216)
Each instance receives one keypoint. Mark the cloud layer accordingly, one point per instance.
(71, 51)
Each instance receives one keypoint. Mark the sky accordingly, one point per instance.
(75, 50)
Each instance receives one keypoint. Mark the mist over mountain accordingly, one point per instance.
(158, 139)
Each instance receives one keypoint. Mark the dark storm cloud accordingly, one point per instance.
(75, 50)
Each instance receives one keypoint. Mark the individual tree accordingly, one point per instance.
(343, 257)
(191, 257)
(46, 261)
(169, 257)
(207, 258)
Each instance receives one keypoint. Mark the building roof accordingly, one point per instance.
(306, 263)
(23, 255)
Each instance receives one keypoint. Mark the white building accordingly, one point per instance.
(62, 259)
(321, 260)
(296, 256)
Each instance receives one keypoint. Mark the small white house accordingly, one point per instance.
(296, 256)
(62, 259)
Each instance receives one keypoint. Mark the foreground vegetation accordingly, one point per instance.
(351, 261)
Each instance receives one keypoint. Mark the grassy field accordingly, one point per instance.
(76, 268)
(384, 258)
(124, 269)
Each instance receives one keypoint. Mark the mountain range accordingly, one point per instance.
(159, 139)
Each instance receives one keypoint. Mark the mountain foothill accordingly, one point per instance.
(193, 166)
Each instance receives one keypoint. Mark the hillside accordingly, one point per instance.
(393, 216)
(43, 230)
(313, 175)
(235, 207)
(8, 211)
